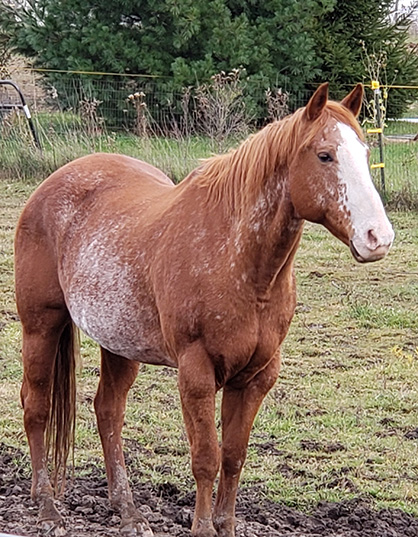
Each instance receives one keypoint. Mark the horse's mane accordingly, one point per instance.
(237, 176)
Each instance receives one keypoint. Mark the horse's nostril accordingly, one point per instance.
(372, 240)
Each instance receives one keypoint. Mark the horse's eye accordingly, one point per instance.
(325, 157)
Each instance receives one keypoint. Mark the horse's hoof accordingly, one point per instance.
(226, 533)
(203, 527)
(52, 528)
(225, 526)
(50, 522)
(136, 528)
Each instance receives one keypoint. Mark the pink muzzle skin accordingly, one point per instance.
(374, 246)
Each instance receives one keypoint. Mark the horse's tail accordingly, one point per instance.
(60, 431)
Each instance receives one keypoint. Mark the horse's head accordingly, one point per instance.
(329, 177)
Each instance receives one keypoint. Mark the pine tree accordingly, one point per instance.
(188, 40)
(360, 40)
(280, 43)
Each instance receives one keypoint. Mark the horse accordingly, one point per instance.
(197, 276)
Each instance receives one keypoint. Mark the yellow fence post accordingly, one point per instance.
(375, 85)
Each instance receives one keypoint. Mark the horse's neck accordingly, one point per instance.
(266, 235)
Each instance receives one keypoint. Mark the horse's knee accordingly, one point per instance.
(205, 461)
(233, 461)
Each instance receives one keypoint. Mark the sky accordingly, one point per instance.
(406, 3)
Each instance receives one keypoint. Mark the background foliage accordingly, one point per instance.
(364, 39)
(279, 43)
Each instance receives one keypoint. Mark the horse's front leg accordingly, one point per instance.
(197, 391)
(239, 408)
(116, 377)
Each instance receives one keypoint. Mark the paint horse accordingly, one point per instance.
(198, 276)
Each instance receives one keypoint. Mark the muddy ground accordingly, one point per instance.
(169, 511)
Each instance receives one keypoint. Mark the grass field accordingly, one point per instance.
(341, 421)
(64, 136)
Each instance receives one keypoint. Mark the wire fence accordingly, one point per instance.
(95, 104)
(111, 99)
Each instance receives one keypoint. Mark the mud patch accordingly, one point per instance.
(169, 510)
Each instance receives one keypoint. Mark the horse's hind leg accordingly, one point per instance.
(47, 335)
(116, 377)
(39, 351)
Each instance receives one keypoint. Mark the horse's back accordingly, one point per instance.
(108, 183)
(113, 165)
(99, 172)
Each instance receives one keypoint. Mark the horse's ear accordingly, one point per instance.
(317, 102)
(354, 100)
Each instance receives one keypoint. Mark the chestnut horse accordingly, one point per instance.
(197, 276)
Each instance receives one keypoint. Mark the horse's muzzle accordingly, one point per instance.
(368, 255)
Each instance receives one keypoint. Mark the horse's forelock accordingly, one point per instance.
(343, 115)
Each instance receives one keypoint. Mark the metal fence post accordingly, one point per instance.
(379, 131)
(23, 106)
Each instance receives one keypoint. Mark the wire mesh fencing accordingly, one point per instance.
(99, 109)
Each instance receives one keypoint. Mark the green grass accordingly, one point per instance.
(64, 136)
(369, 316)
(23, 162)
(348, 385)
(401, 127)
(334, 426)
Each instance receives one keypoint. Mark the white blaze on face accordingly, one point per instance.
(372, 232)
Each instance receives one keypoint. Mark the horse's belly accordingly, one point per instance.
(114, 314)
(118, 332)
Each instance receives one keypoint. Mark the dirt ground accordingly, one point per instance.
(169, 511)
